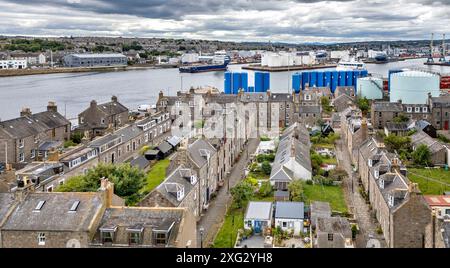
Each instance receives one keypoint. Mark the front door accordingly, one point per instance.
(446, 125)
(113, 158)
(257, 228)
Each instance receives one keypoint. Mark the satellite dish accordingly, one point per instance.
(73, 243)
(373, 243)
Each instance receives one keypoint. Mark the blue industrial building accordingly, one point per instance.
(331, 79)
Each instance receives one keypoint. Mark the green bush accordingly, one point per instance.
(266, 189)
(242, 193)
(266, 167)
(265, 138)
(295, 189)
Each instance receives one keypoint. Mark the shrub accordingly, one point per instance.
(266, 167)
(266, 189)
(422, 155)
(241, 193)
(295, 189)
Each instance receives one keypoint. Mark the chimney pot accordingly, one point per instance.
(51, 107)
(93, 103)
(25, 112)
(114, 98)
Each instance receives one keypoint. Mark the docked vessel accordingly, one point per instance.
(219, 62)
(350, 65)
(381, 57)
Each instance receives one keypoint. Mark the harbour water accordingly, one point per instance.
(73, 91)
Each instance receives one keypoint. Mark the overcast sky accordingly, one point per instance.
(237, 20)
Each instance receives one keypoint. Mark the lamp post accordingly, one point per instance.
(202, 230)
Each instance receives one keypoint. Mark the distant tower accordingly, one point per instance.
(442, 58)
(430, 56)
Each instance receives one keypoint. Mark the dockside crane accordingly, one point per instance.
(430, 56)
(442, 58)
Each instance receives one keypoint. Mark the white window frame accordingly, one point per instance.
(41, 239)
(409, 109)
(21, 157)
(21, 143)
(417, 110)
(425, 109)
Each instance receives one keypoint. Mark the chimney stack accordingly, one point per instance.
(51, 107)
(181, 158)
(93, 103)
(114, 98)
(161, 94)
(364, 130)
(25, 112)
(108, 188)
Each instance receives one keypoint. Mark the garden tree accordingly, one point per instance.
(295, 189)
(401, 118)
(422, 155)
(316, 161)
(265, 157)
(241, 193)
(266, 189)
(127, 181)
(266, 167)
(394, 142)
(363, 105)
(325, 102)
(77, 136)
(338, 174)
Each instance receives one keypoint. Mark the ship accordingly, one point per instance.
(350, 65)
(219, 62)
(381, 57)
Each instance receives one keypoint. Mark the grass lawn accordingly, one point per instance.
(226, 237)
(332, 194)
(429, 187)
(156, 175)
(323, 145)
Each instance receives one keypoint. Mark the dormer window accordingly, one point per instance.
(193, 179)
(425, 109)
(107, 234)
(391, 200)
(376, 173)
(135, 234)
(409, 109)
(369, 162)
(417, 109)
(381, 183)
(21, 143)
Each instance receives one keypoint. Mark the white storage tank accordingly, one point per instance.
(370, 87)
(412, 87)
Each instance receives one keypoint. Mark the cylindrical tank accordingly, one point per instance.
(327, 79)
(349, 78)
(370, 87)
(389, 76)
(305, 79)
(342, 78)
(313, 79)
(266, 81)
(227, 83)
(296, 82)
(236, 82)
(259, 82)
(320, 79)
(412, 87)
(244, 81)
(334, 80)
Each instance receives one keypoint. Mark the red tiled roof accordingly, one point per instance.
(438, 200)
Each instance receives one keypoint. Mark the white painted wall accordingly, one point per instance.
(291, 224)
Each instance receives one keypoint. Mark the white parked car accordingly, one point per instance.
(144, 107)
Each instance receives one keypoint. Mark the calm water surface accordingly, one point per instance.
(73, 91)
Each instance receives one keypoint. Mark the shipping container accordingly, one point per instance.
(259, 82)
(227, 83)
(320, 79)
(305, 80)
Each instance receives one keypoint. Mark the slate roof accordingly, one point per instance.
(164, 147)
(446, 233)
(197, 151)
(279, 193)
(254, 97)
(421, 137)
(441, 101)
(385, 106)
(48, 145)
(259, 210)
(174, 140)
(180, 176)
(289, 210)
(422, 124)
(281, 97)
(334, 225)
(392, 126)
(394, 185)
(128, 132)
(26, 126)
(141, 162)
(54, 214)
(319, 210)
(6, 202)
(154, 218)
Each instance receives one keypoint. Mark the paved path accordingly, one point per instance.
(355, 202)
(214, 216)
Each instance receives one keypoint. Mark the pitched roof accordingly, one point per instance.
(54, 214)
(289, 210)
(164, 147)
(309, 109)
(6, 202)
(174, 140)
(259, 210)
(421, 137)
(111, 108)
(199, 151)
(438, 200)
(385, 106)
(140, 162)
(334, 225)
(50, 119)
(182, 177)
